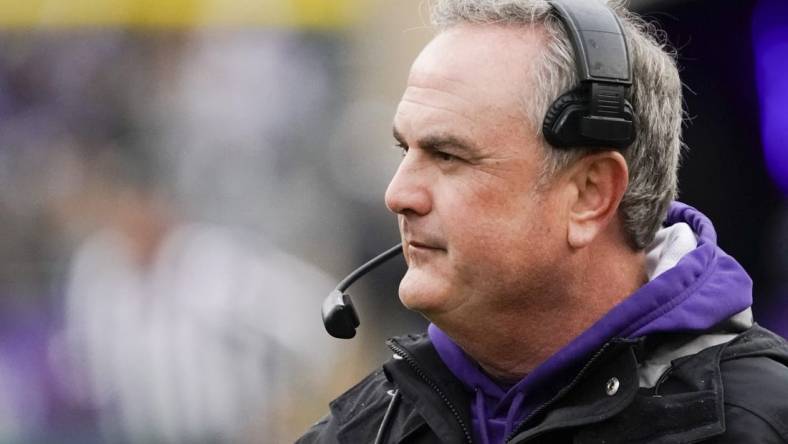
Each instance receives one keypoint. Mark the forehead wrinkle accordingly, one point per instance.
(438, 107)
(471, 109)
(426, 91)
(420, 77)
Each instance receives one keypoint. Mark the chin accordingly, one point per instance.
(421, 292)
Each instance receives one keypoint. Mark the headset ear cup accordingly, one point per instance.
(553, 125)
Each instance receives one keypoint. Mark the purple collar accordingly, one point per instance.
(704, 288)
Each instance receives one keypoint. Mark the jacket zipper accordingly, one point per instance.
(559, 395)
(396, 348)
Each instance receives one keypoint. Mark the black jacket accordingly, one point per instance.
(736, 392)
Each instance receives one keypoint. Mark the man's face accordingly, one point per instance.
(477, 236)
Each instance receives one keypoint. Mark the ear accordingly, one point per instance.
(599, 181)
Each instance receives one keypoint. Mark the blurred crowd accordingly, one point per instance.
(175, 205)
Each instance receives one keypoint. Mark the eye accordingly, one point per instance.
(444, 156)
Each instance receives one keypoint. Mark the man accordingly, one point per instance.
(570, 300)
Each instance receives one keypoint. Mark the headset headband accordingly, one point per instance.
(598, 39)
(597, 113)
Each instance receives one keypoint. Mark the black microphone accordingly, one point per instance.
(339, 315)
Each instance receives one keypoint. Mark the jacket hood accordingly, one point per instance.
(693, 286)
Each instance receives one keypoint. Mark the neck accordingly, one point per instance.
(522, 339)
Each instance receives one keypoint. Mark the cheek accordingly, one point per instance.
(487, 217)
(494, 232)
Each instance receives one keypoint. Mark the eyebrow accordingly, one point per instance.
(438, 141)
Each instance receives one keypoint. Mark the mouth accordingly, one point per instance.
(422, 246)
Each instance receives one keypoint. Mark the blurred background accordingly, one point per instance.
(182, 181)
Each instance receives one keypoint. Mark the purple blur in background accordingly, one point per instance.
(770, 46)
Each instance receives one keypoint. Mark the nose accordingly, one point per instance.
(408, 191)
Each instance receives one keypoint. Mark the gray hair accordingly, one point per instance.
(653, 158)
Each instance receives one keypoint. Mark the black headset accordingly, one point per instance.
(596, 114)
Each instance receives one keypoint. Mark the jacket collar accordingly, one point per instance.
(426, 382)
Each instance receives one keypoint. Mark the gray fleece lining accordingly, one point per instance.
(669, 246)
(653, 367)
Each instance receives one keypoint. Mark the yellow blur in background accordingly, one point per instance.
(316, 14)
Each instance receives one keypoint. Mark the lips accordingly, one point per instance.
(417, 244)
(423, 244)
